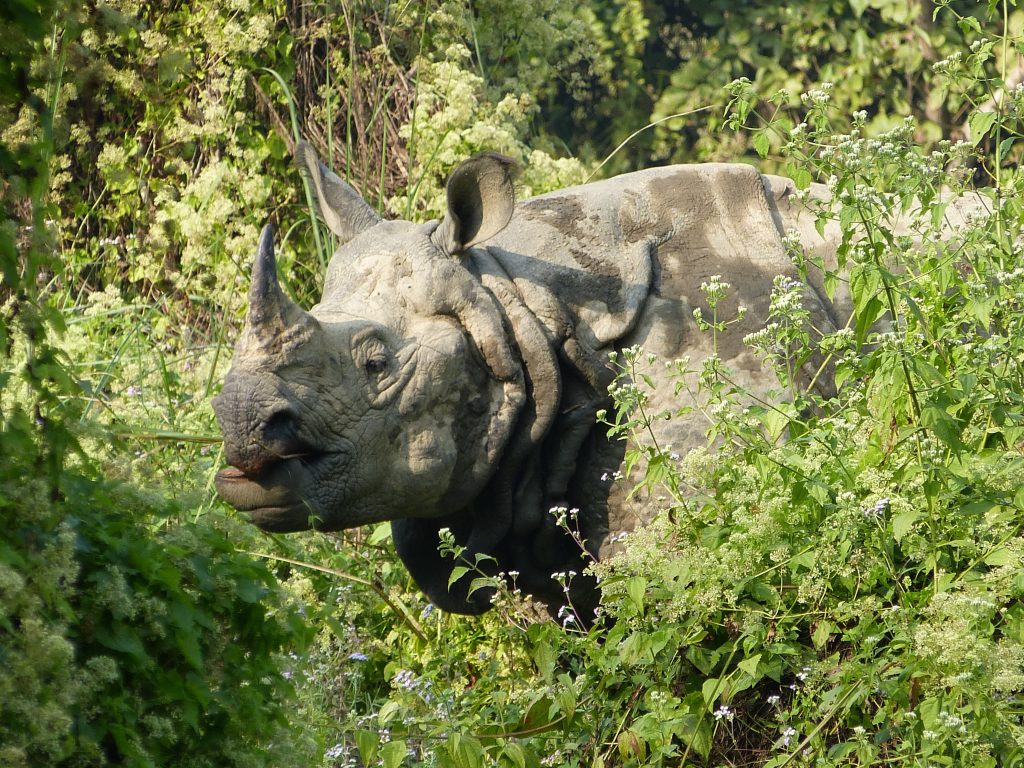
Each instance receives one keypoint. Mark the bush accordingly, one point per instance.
(131, 639)
(126, 636)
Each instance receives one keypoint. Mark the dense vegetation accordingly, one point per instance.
(837, 584)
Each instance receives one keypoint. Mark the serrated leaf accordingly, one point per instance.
(902, 523)
(761, 143)
(980, 124)
(457, 573)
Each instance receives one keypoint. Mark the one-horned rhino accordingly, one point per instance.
(451, 375)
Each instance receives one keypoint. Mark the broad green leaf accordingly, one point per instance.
(695, 732)
(942, 425)
(802, 178)
(903, 522)
(711, 690)
(749, 665)
(381, 533)
(367, 742)
(465, 751)
(1001, 556)
(821, 633)
(632, 747)
(980, 124)
(513, 753)
(761, 143)
(387, 713)
(636, 588)
(394, 753)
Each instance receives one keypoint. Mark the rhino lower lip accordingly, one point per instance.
(273, 499)
(277, 486)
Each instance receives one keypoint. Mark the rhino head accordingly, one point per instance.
(394, 398)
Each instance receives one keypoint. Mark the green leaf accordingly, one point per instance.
(980, 124)
(513, 753)
(942, 425)
(544, 656)
(903, 522)
(387, 713)
(749, 665)
(762, 143)
(636, 588)
(381, 533)
(632, 747)
(821, 634)
(695, 732)
(711, 690)
(367, 742)
(457, 573)
(802, 178)
(1004, 148)
(465, 751)
(394, 753)
(1001, 556)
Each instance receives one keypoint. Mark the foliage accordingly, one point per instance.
(126, 636)
(129, 639)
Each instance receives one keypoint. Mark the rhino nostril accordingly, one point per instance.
(281, 424)
(281, 435)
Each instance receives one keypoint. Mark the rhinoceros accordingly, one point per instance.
(451, 374)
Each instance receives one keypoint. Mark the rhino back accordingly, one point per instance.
(624, 262)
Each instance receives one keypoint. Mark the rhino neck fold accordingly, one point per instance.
(509, 519)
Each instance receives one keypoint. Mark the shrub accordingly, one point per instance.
(126, 636)
(132, 639)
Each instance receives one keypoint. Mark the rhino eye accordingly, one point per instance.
(376, 365)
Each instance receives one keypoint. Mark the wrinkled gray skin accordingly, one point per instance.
(450, 375)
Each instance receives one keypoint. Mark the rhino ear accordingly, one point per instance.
(481, 198)
(344, 212)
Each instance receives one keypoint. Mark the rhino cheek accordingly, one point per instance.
(429, 454)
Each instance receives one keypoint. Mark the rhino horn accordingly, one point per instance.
(271, 312)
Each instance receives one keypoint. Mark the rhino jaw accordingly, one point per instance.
(275, 500)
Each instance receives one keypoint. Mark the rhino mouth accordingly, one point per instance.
(274, 499)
